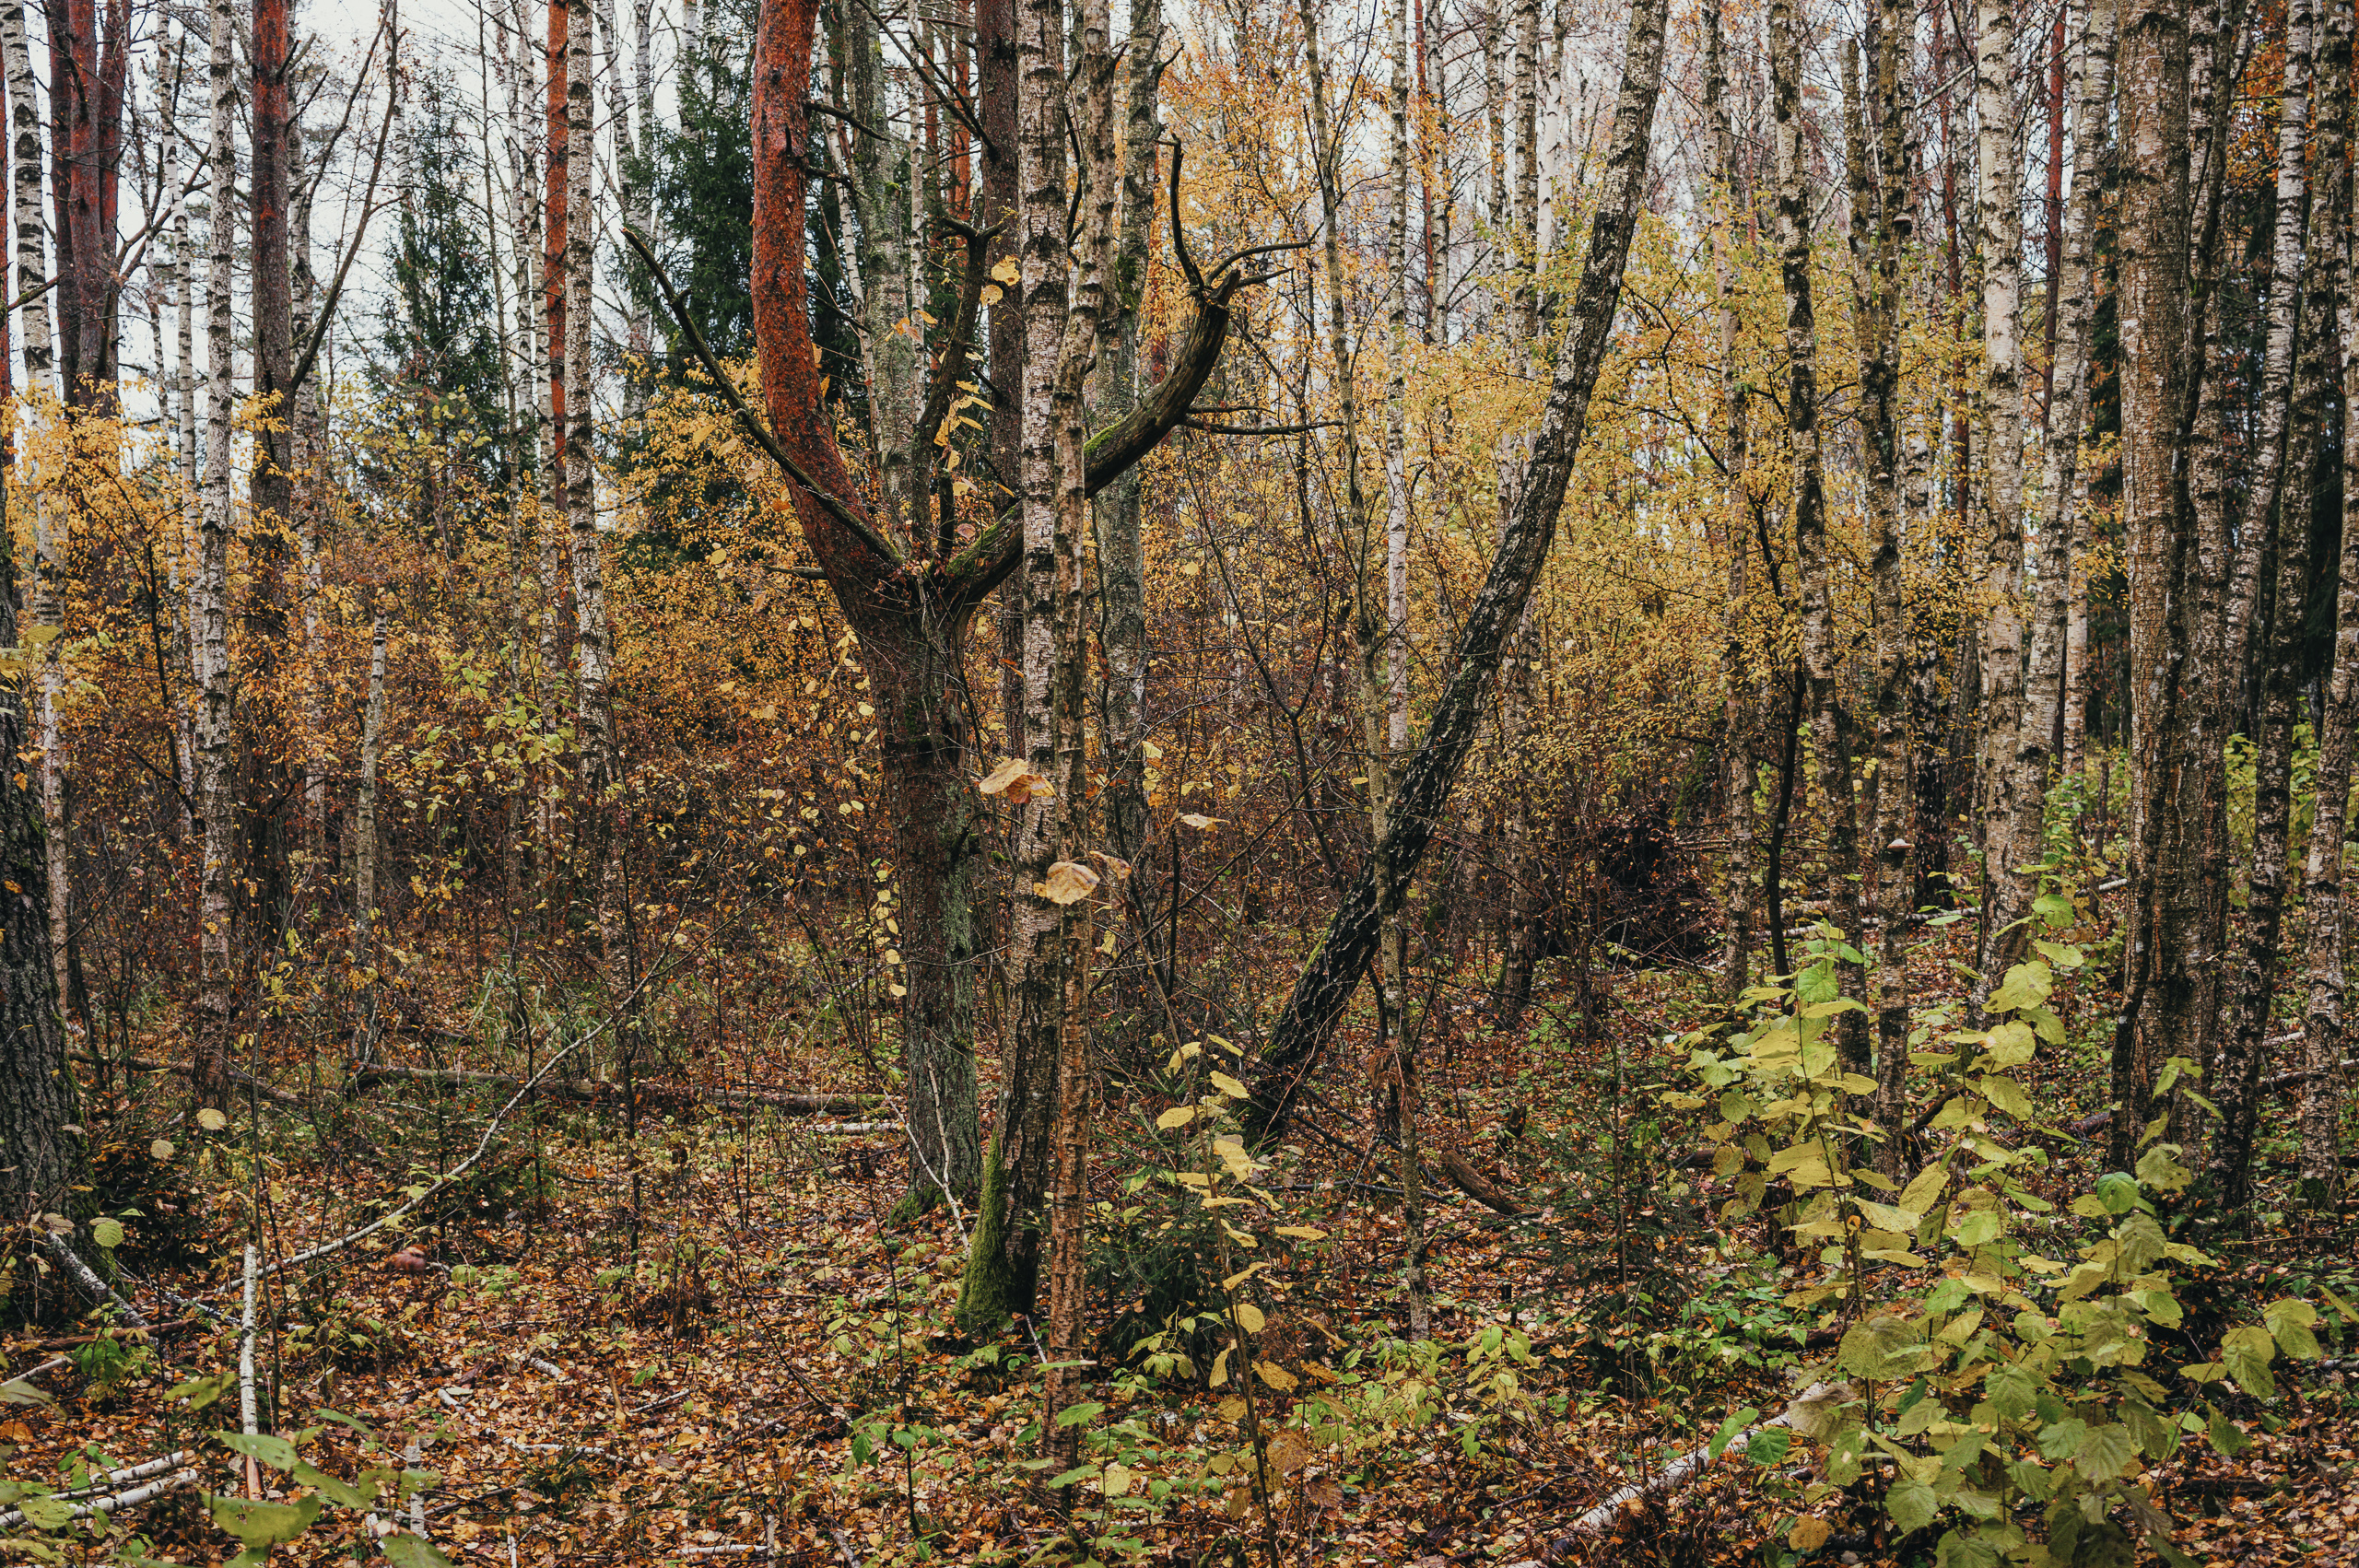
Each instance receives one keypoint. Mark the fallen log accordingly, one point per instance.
(1472, 1183)
(153, 1064)
(601, 1090)
(1682, 1469)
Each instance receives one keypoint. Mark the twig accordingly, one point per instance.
(843, 1544)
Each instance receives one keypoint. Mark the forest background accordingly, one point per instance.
(737, 696)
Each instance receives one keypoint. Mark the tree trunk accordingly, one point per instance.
(2153, 247)
(1737, 721)
(43, 1161)
(1327, 982)
(2282, 489)
(2014, 759)
(1830, 739)
(1879, 208)
(215, 739)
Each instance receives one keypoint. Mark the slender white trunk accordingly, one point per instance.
(364, 813)
(2014, 762)
(216, 747)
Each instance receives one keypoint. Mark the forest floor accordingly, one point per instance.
(705, 1345)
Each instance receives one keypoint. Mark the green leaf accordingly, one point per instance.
(2012, 1390)
(2227, 1438)
(276, 1452)
(107, 1233)
(2063, 1440)
(1768, 1447)
(265, 1524)
(1911, 1504)
(2106, 1453)
(1924, 1188)
(406, 1551)
(1074, 1415)
(1965, 1549)
(2246, 1351)
(2026, 984)
(44, 1511)
(342, 1493)
(2007, 1096)
(2289, 1321)
(2062, 955)
(1738, 1420)
(1077, 1474)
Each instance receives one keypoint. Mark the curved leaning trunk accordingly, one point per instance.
(1327, 982)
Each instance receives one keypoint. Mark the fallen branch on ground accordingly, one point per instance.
(602, 1089)
(88, 1280)
(1687, 1466)
(154, 1064)
(1472, 1183)
(176, 1480)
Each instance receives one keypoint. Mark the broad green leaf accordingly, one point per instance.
(2007, 1096)
(2026, 984)
(2062, 955)
(276, 1452)
(1965, 1549)
(1074, 1415)
(2063, 1440)
(107, 1233)
(2227, 1438)
(2157, 1438)
(341, 1492)
(1738, 1420)
(2106, 1453)
(1911, 1504)
(2246, 1351)
(1768, 1447)
(1884, 1216)
(2290, 1320)
(45, 1512)
(406, 1551)
(2012, 1390)
(2011, 1044)
(1924, 1188)
(265, 1524)
(1978, 1228)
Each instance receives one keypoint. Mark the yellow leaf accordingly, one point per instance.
(1227, 1085)
(1198, 819)
(1007, 272)
(991, 294)
(1015, 779)
(1118, 1479)
(1249, 1317)
(1808, 1535)
(211, 1120)
(1068, 882)
(1276, 1376)
(1302, 1233)
(1177, 1115)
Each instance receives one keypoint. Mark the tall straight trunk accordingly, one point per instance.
(1735, 509)
(72, 88)
(1383, 772)
(639, 209)
(306, 444)
(2068, 406)
(537, 444)
(273, 318)
(1064, 306)
(364, 811)
(2014, 759)
(1879, 197)
(593, 637)
(44, 1161)
(1350, 940)
(32, 269)
(1829, 736)
(882, 165)
(2324, 1091)
(558, 191)
(2153, 247)
(2062, 484)
(1520, 923)
(995, 67)
(1091, 116)
(187, 613)
(1122, 555)
(216, 741)
(2309, 330)
(40, 366)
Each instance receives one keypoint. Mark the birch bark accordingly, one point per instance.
(2324, 1092)
(215, 743)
